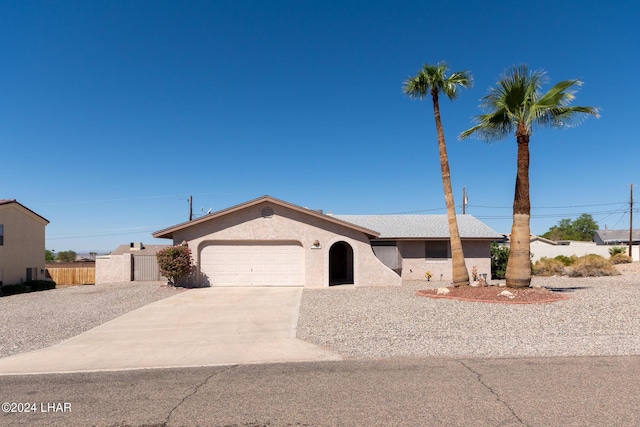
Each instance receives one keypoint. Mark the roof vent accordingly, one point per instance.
(267, 212)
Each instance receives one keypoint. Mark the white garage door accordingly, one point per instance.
(253, 264)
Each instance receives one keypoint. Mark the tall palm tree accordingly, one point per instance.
(433, 79)
(515, 105)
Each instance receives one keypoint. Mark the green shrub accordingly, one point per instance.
(617, 250)
(566, 260)
(13, 289)
(593, 266)
(40, 285)
(499, 258)
(548, 267)
(621, 259)
(174, 262)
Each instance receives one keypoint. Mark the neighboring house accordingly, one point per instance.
(545, 248)
(132, 262)
(616, 237)
(267, 241)
(22, 243)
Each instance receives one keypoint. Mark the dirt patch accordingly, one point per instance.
(629, 269)
(495, 294)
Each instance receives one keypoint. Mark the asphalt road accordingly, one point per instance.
(597, 391)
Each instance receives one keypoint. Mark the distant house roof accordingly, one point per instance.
(612, 237)
(138, 249)
(535, 238)
(422, 226)
(11, 201)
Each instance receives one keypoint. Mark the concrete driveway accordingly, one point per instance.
(199, 327)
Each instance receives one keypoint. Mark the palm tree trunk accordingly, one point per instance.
(518, 274)
(460, 274)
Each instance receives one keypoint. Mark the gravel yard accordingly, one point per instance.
(41, 319)
(601, 317)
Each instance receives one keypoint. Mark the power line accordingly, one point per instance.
(550, 207)
(97, 235)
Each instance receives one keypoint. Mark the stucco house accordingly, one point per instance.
(22, 243)
(267, 241)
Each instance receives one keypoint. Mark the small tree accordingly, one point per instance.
(48, 255)
(582, 229)
(66, 256)
(174, 262)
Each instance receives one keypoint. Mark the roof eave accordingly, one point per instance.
(167, 233)
(10, 202)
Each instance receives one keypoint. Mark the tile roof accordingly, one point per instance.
(421, 226)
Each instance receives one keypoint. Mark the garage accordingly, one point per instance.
(253, 263)
(270, 242)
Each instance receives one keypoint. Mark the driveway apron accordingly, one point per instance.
(199, 327)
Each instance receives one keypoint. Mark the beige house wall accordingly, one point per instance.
(24, 244)
(414, 265)
(291, 225)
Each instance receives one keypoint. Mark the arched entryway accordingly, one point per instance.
(340, 264)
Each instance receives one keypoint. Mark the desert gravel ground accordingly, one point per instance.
(601, 317)
(41, 319)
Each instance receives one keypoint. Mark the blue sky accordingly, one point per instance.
(113, 112)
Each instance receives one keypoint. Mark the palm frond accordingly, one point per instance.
(490, 127)
(431, 77)
(416, 87)
(517, 98)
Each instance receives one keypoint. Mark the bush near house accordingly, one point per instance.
(499, 258)
(25, 287)
(585, 266)
(40, 285)
(174, 262)
(617, 250)
(548, 267)
(592, 265)
(13, 289)
(621, 259)
(566, 260)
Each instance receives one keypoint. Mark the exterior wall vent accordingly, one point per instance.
(267, 212)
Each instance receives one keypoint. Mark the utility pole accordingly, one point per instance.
(190, 208)
(631, 221)
(464, 200)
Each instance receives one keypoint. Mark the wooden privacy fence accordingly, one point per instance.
(73, 273)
